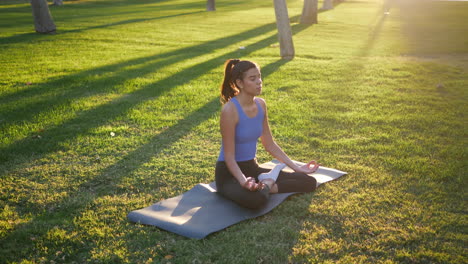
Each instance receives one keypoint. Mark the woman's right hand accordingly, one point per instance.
(251, 185)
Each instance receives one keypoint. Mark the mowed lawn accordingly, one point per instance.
(120, 109)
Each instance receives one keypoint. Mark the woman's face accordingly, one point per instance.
(251, 83)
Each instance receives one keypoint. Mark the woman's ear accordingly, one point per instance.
(239, 83)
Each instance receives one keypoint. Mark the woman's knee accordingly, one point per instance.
(311, 184)
(297, 182)
(306, 182)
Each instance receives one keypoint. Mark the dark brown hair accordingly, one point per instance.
(234, 69)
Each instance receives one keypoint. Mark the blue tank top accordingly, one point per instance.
(248, 130)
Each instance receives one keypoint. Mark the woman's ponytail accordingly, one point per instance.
(228, 88)
(234, 69)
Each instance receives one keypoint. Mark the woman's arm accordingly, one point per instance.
(228, 121)
(272, 147)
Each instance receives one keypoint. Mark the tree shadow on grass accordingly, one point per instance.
(106, 183)
(390, 241)
(52, 92)
(395, 237)
(378, 23)
(32, 36)
(96, 6)
(150, 64)
(53, 95)
(333, 223)
(20, 245)
(29, 37)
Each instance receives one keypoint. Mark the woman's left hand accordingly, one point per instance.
(308, 168)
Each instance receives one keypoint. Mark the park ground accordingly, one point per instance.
(120, 109)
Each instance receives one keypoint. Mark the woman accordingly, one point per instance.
(243, 120)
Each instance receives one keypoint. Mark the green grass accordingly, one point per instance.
(381, 97)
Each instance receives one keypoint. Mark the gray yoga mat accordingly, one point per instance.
(201, 211)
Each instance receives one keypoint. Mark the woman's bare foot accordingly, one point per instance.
(271, 185)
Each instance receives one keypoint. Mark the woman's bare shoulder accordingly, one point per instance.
(229, 109)
(261, 101)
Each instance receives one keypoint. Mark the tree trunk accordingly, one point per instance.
(43, 22)
(284, 29)
(327, 5)
(309, 12)
(210, 5)
(58, 2)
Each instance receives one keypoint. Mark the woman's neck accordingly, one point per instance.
(245, 99)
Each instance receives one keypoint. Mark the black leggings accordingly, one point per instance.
(228, 186)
